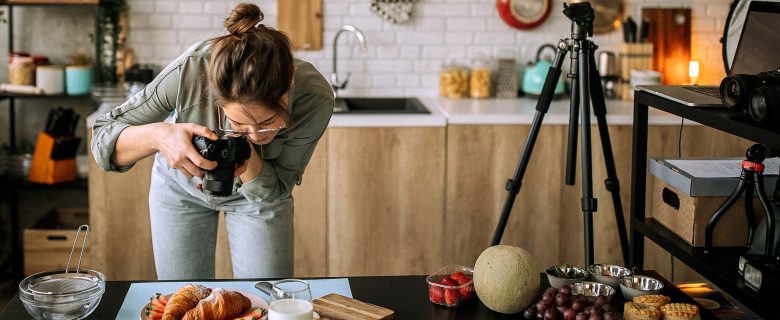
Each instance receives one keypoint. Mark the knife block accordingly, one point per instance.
(633, 56)
(46, 170)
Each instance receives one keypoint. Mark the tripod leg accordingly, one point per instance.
(588, 202)
(768, 215)
(574, 111)
(750, 213)
(722, 210)
(612, 183)
(542, 105)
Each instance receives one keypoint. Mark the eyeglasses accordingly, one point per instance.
(230, 127)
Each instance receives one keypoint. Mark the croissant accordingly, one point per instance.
(183, 300)
(221, 304)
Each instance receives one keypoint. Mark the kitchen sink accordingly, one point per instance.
(379, 106)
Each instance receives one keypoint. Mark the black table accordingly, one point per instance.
(406, 295)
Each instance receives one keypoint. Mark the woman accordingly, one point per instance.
(244, 83)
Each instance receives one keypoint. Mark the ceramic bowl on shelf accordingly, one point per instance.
(608, 274)
(561, 275)
(634, 286)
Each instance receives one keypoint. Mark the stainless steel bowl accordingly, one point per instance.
(591, 290)
(608, 274)
(634, 286)
(558, 282)
(60, 295)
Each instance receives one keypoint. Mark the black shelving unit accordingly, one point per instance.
(11, 96)
(720, 266)
(12, 187)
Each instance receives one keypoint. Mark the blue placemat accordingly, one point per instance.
(138, 294)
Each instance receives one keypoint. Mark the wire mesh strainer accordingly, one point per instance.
(64, 294)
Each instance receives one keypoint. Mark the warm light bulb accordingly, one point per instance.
(693, 71)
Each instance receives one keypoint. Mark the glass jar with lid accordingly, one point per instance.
(453, 80)
(481, 74)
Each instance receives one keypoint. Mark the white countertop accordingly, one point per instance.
(519, 111)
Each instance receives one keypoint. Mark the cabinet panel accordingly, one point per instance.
(120, 237)
(385, 200)
(480, 159)
(546, 218)
(310, 218)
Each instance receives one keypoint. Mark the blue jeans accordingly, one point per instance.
(184, 230)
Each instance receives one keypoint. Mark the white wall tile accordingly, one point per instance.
(408, 56)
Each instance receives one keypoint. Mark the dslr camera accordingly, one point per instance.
(757, 94)
(227, 152)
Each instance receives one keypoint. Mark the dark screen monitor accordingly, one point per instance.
(759, 45)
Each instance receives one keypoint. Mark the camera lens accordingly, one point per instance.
(731, 96)
(763, 103)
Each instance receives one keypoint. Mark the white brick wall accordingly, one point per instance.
(401, 59)
(405, 59)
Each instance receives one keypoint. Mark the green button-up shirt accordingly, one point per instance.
(182, 90)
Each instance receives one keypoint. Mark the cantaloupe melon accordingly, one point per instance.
(506, 278)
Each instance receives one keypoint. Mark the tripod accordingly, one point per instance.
(586, 85)
(751, 180)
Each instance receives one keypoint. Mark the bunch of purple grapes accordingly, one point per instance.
(557, 304)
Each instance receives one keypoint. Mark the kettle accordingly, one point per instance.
(536, 72)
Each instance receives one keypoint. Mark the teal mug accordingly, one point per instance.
(78, 79)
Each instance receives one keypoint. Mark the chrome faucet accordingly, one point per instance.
(334, 77)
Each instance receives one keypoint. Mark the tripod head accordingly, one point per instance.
(756, 153)
(581, 16)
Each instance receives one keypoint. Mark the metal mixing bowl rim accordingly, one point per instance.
(624, 278)
(607, 266)
(610, 290)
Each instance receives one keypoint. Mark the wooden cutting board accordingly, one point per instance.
(670, 33)
(301, 20)
(338, 307)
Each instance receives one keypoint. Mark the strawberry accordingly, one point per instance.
(460, 277)
(451, 297)
(436, 294)
(466, 292)
(448, 282)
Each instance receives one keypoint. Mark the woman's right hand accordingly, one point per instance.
(174, 142)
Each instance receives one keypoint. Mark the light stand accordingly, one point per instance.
(586, 86)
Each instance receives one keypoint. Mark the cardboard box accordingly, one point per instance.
(47, 244)
(687, 192)
(687, 216)
(708, 177)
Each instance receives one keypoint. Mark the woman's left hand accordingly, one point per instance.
(250, 168)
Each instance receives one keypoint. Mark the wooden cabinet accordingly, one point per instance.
(385, 200)
(408, 200)
(546, 218)
(120, 237)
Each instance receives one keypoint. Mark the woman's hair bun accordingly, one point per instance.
(243, 18)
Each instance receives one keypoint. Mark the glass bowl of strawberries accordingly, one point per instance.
(451, 286)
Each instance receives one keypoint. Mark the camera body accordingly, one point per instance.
(758, 95)
(227, 152)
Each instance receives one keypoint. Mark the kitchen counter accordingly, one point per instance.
(521, 112)
(518, 111)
